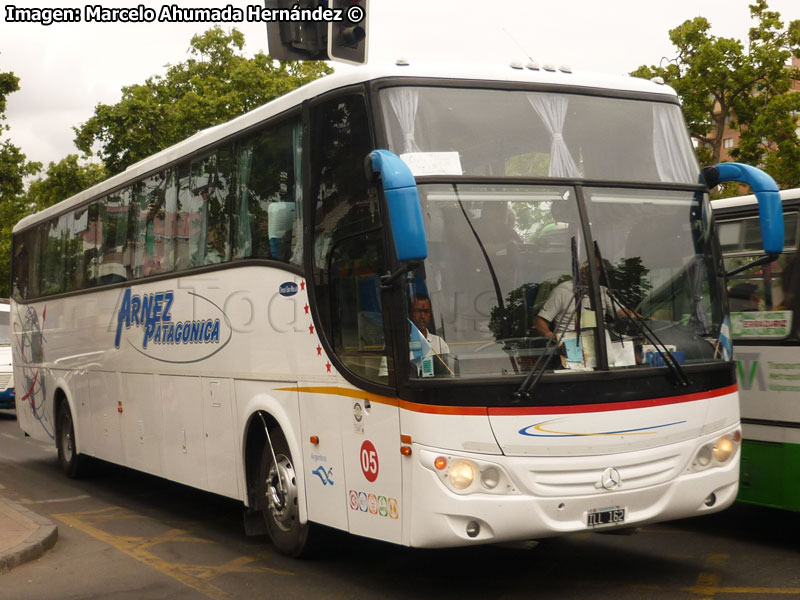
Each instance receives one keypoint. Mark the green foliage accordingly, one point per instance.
(13, 164)
(628, 281)
(62, 180)
(216, 84)
(14, 167)
(719, 81)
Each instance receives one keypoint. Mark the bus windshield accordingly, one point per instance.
(510, 133)
(502, 267)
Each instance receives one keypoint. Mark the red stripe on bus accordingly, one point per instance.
(610, 406)
(480, 411)
(435, 409)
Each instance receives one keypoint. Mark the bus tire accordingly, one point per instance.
(281, 507)
(72, 463)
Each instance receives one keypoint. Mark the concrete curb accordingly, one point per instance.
(43, 536)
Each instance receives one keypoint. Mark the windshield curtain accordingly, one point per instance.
(503, 133)
(507, 270)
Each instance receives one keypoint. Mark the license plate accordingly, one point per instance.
(605, 516)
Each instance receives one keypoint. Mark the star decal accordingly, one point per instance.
(311, 329)
(305, 308)
(328, 366)
(302, 285)
(319, 350)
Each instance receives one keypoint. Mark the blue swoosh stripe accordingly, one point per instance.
(524, 431)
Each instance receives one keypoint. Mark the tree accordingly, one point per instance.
(62, 180)
(13, 164)
(719, 82)
(214, 85)
(14, 167)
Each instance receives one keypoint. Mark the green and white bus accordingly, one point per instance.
(765, 304)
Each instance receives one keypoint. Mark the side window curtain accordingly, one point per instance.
(164, 222)
(115, 260)
(206, 209)
(152, 212)
(348, 244)
(188, 221)
(80, 248)
(27, 250)
(73, 251)
(52, 257)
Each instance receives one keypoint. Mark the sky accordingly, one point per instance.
(66, 69)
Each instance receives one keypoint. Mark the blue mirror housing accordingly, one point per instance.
(402, 198)
(770, 209)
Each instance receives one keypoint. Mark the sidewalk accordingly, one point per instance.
(24, 535)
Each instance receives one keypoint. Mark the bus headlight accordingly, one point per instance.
(461, 475)
(468, 475)
(490, 477)
(717, 453)
(723, 449)
(704, 456)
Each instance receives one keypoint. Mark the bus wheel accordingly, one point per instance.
(277, 490)
(71, 462)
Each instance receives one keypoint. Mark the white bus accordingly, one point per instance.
(766, 334)
(283, 311)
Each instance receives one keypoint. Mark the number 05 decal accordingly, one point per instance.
(369, 461)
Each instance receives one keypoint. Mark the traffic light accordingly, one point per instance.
(296, 40)
(347, 39)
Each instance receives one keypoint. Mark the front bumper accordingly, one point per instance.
(438, 517)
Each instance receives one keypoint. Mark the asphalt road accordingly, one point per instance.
(124, 535)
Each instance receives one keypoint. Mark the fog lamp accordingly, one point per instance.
(473, 529)
(461, 475)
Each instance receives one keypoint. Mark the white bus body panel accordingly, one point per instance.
(556, 481)
(439, 518)
(589, 430)
(770, 375)
(168, 408)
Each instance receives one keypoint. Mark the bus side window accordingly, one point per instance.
(204, 208)
(268, 207)
(773, 287)
(27, 248)
(153, 207)
(52, 257)
(356, 266)
(81, 248)
(115, 260)
(348, 243)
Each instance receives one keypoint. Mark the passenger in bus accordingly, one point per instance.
(743, 297)
(215, 247)
(420, 308)
(558, 315)
(790, 283)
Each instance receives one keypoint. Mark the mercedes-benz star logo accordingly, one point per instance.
(610, 479)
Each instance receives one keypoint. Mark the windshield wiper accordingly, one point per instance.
(579, 291)
(495, 281)
(669, 359)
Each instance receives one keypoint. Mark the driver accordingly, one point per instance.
(554, 317)
(421, 317)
